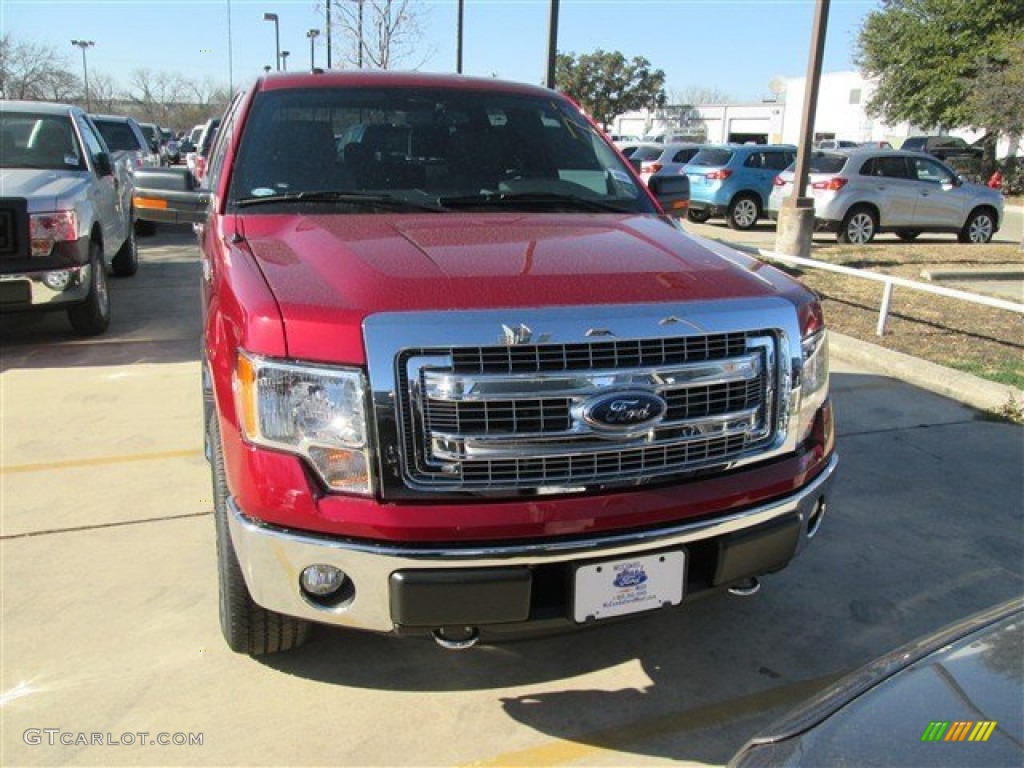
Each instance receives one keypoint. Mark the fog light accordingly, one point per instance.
(58, 279)
(322, 580)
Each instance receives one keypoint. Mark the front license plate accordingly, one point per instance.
(630, 585)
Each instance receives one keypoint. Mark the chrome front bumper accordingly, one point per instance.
(45, 288)
(272, 560)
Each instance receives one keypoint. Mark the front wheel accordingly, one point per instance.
(980, 227)
(744, 212)
(246, 626)
(92, 316)
(859, 227)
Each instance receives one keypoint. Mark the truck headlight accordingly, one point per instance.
(813, 379)
(317, 412)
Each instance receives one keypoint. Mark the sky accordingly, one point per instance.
(735, 46)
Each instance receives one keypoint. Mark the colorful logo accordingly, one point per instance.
(630, 577)
(959, 730)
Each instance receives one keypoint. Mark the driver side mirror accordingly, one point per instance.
(103, 166)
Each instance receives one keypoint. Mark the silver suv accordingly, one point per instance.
(861, 192)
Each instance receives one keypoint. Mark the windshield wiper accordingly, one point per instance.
(388, 202)
(546, 199)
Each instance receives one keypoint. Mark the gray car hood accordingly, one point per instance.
(42, 189)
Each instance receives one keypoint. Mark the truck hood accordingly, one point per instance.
(352, 266)
(42, 189)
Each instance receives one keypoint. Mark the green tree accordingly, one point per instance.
(929, 56)
(605, 84)
(997, 96)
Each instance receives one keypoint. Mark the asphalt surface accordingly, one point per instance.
(109, 611)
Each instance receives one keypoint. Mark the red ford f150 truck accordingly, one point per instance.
(464, 378)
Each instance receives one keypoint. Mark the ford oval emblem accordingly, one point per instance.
(624, 411)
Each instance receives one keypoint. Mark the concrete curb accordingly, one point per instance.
(973, 273)
(970, 390)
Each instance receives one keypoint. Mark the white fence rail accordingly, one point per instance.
(889, 282)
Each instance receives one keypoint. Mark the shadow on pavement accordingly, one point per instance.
(155, 316)
(923, 530)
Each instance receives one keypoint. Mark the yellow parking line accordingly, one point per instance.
(620, 738)
(99, 461)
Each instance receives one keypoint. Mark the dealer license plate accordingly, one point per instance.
(630, 585)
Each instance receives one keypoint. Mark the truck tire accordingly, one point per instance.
(126, 260)
(247, 627)
(92, 316)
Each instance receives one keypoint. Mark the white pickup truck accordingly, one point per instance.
(65, 215)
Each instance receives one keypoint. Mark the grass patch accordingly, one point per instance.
(985, 342)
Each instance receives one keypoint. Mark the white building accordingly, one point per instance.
(840, 113)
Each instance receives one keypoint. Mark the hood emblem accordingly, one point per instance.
(628, 411)
(512, 336)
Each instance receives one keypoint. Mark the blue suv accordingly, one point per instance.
(735, 181)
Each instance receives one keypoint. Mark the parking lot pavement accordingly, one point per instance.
(109, 611)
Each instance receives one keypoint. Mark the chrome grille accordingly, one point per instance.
(493, 418)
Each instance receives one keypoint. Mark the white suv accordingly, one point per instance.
(861, 192)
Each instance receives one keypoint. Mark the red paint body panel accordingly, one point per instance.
(328, 272)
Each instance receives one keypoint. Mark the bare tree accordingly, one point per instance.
(35, 72)
(104, 93)
(153, 92)
(382, 34)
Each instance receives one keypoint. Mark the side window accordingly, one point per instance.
(869, 168)
(682, 156)
(221, 143)
(777, 161)
(930, 171)
(94, 145)
(891, 167)
(754, 160)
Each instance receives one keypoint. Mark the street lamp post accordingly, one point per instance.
(277, 36)
(360, 25)
(312, 35)
(284, 60)
(83, 44)
(458, 39)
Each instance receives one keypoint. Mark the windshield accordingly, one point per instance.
(118, 135)
(709, 157)
(444, 149)
(822, 162)
(30, 140)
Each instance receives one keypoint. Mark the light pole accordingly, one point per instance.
(458, 40)
(329, 34)
(83, 44)
(277, 36)
(284, 60)
(549, 81)
(360, 23)
(312, 35)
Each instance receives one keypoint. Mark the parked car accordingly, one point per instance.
(126, 141)
(130, 148)
(835, 144)
(154, 140)
(735, 181)
(951, 699)
(663, 159)
(65, 217)
(482, 386)
(860, 192)
(942, 147)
